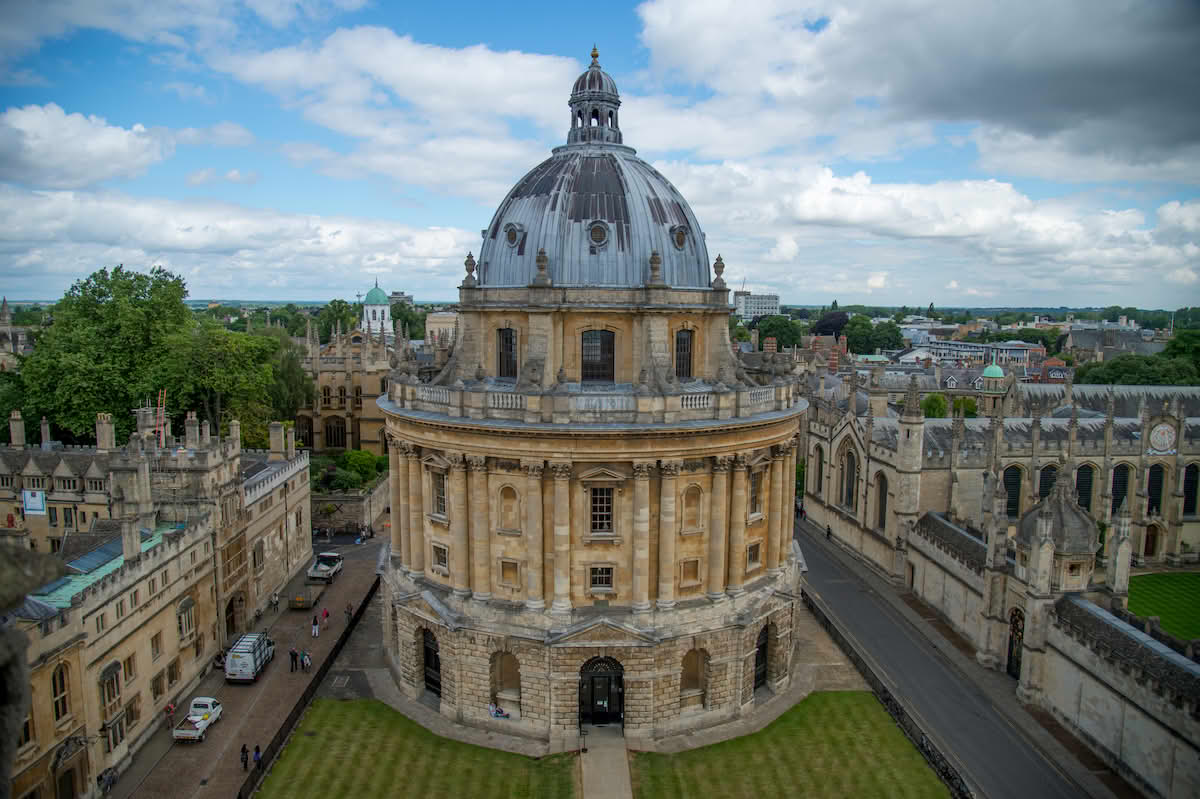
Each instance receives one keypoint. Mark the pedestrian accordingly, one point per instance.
(257, 757)
(245, 757)
(307, 662)
(349, 613)
(316, 631)
(828, 533)
(294, 657)
(324, 617)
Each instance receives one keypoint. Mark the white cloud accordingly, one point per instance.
(51, 237)
(45, 146)
(1183, 276)
(222, 134)
(952, 285)
(876, 281)
(210, 175)
(188, 91)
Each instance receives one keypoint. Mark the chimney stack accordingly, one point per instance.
(235, 435)
(16, 429)
(276, 433)
(191, 431)
(291, 443)
(205, 438)
(131, 540)
(106, 435)
(45, 433)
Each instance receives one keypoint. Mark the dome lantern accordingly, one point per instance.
(594, 103)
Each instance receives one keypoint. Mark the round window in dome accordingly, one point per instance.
(679, 237)
(598, 233)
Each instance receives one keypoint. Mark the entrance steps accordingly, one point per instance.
(606, 764)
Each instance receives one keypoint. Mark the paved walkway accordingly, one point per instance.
(606, 764)
(971, 712)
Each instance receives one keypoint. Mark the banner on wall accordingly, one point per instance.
(35, 502)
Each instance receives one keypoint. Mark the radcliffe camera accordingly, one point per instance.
(654, 401)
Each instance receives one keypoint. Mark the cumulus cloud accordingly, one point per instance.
(45, 146)
(210, 175)
(51, 237)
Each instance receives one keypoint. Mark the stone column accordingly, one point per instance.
(398, 486)
(562, 537)
(460, 563)
(718, 543)
(789, 478)
(641, 537)
(481, 547)
(533, 536)
(737, 528)
(776, 511)
(667, 534)
(416, 513)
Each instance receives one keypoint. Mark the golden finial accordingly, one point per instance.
(595, 54)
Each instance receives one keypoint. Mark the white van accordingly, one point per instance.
(248, 656)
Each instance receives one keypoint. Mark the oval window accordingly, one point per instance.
(599, 234)
(511, 236)
(680, 237)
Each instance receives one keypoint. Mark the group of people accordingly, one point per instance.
(300, 659)
(246, 757)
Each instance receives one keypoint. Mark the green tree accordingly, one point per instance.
(336, 311)
(360, 462)
(887, 336)
(786, 334)
(413, 321)
(108, 345)
(830, 324)
(1185, 344)
(1140, 370)
(740, 333)
(934, 406)
(291, 386)
(965, 406)
(800, 477)
(859, 335)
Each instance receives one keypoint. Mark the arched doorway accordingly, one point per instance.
(235, 616)
(432, 663)
(1150, 547)
(601, 691)
(1016, 635)
(760, 658)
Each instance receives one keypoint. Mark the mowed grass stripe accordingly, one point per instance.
(365, 748)
(1174, 598)
(833, 744)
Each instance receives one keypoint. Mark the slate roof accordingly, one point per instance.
(1127, 399)
(79, 543)
(1073, 530)
(964, 544)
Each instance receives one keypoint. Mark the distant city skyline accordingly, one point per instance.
(876, 152)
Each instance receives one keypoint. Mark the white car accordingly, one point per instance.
(325, 567)
(203, 713)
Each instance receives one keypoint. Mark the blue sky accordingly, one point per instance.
(888, 152)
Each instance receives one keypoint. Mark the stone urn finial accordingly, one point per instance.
(542, 278)
(719, 268)
(470, 280)
(656, 278)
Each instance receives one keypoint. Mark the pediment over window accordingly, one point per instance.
(602, 474)
(437, 461)
(601, 631)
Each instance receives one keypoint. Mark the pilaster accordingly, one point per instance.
(641, 537)
(416, 517)
(718, 542)
(667, 534)
(775, 521)
(460, 561)
(562, 537)
(481, 549)
(737, 529)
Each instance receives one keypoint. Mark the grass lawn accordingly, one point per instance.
(833, 744)
(364, 748)
(1174, 598)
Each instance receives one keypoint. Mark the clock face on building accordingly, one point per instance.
(1162, 438)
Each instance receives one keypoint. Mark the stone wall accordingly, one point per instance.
(355, 508)
(952, 588)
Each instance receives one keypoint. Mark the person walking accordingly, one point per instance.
(307, 662)
(324, 617)
(349, 613)
(257, 757)
(294, 658)
(316, 631)
(245, 757)
(828, 533)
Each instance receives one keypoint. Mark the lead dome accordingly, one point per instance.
(597, 210)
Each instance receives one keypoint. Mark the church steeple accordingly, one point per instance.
(594, 103)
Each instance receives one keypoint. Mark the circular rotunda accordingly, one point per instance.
(592, 501)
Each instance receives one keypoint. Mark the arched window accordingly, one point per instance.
(341, 396)
(819, 471)
(599, 356)
(1083, 486)
(1191, 476)
(326, 396)
(335, 432)
(506, 353)
(358, 396)
(304, 431)
(683, 354)
(1046, 481)
(374, 318)
(59, 688)
(881, 492)
(1120, 486)
(595, 118)
(610, 119)
(506, 679)
(693, 680)
(1154, 490)
(849, 479)
(510, 509)
(383, 385)
(1012, 486)
(691, 508)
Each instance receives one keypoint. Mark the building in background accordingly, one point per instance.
(748, 306)
(376, 312)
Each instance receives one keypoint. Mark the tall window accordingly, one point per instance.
(819, 472)
(599, 355)
(61, 694)
(506, 351)
(439, 493)
(1012, 486)
(326, 396)
(1046, 481)
(1191, 476)
(602, 510)
(1120, 486)
(849, 480)
(756, 492)
(358, 396)
(335, 432)
(881, 489)
(683, 354)
(110, 693)
(1154, 488)
(1083, 486)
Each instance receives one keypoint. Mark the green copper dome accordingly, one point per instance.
(992, 369)
(376, 296)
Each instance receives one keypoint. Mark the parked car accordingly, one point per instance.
(325, 567)
(203, 713)
(248, 656)
(306, 596)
